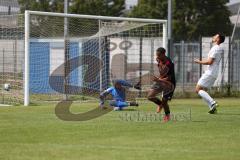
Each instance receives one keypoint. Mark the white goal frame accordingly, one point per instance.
(27, 35)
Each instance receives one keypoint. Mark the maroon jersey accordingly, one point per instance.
(166, 71)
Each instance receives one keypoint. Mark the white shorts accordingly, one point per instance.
(206, 81)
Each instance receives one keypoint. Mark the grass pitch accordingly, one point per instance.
(35, 133)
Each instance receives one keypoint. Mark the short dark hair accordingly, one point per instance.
(221, 37)
(161, 50)
(116, 81)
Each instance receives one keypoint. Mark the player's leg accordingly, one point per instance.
(133, 103)
(119, 105)
(166, 109)
(202, 92)
(152, 93)
(159, 87)
(201, 89)
(166, 88)
(167, 95)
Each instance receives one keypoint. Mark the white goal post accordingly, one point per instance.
(140, 32)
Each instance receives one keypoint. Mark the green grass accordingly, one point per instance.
(35, 133)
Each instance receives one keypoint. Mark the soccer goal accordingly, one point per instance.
(70, 56)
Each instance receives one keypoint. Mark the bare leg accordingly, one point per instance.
(152, 96)
(198, 88)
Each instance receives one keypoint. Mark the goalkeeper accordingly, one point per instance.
(118, 95)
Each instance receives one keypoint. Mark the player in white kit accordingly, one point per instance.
(209, 77)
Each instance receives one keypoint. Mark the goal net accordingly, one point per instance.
(75, 57)
(11, 58)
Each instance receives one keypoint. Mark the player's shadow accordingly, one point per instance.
(198, 121)
(129, 109)
(229, 114)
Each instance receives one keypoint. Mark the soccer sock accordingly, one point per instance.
(167, 113)
(166, 108)
(133, 104)
(205, 96)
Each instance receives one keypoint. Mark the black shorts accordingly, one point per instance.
(166, 88)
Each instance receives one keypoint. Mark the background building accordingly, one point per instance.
(233, 7)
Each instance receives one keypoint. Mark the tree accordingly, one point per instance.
(37, 5)
(98, 7)
(93, 7)
(150, 9)
(191, 19)
(42, 5)
(57, 6)
(40, 26)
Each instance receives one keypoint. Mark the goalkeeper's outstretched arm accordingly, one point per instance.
(102, 97)
(125, 83)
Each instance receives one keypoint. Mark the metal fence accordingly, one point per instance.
(234, 62)
(187, 72)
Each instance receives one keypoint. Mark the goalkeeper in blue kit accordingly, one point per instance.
(118, 95)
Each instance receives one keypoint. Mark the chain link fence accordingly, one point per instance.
(187, 72)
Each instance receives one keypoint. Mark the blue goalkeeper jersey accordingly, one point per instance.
(118, 95)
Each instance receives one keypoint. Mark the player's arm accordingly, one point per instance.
(102, 97)
(156, 79)
(208, 61)
(127, 84)
(163, 74)
(164, 71)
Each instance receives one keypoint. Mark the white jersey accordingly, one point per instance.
(216, 53)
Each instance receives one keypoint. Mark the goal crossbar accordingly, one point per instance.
(97, 17)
